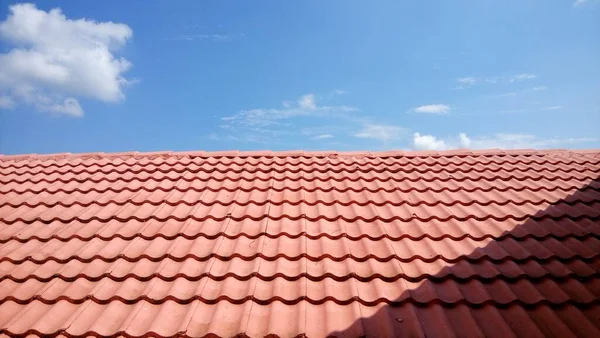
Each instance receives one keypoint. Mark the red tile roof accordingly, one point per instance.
(486, 243)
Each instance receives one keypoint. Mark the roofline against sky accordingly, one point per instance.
(293, 153)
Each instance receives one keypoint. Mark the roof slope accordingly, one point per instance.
(464, 243)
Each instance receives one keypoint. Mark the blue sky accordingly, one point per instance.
(315, 75)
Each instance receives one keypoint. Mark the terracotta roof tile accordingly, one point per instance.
(386, 244)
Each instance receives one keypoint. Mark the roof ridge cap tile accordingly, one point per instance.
(488, 152)
(321, 153)
(152, 154)
(388, 153)
(190, 153)
(57, 156)
(457, 152)
(87, 155)
(288, 153)
(19, 157)
(222, 153)
(302, 153)
(348, 154)
(424, 153)
(125, 154)
(256, 153)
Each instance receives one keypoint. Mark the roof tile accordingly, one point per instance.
(464, 243)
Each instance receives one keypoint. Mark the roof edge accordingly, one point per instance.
(300, 153)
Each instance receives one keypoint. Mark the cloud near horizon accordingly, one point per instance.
(381, 132)
(495, 141)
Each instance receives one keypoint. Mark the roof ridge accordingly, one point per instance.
(301, 153)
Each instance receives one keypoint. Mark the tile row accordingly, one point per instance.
(248, 249)
(540, 184)
(353, 175)
(448, 292)
(368, 270)
(225, 319)
(269, 211)
(399, 168)
(231, 229)
(226, 197)
(539, 158)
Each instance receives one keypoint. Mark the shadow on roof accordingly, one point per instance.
(548, 286)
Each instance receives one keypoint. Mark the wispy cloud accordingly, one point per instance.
(465, 82)
(514, 141)
(194, 37)
(579, 3)
(500, 140)
(340, 92)
(498, 112)
(440, 109)
(521, 77)
(469, 81)
(333, 128)
(512, 111)
(493, 79)
(266, 124)
(552, 108)
(307, 102)
(515, 93)
(496, 96)
(6, 102)
(381, 132)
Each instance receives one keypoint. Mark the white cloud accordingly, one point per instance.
(467, 80)
(440, 109)
(540, 88)
(552, 108)
(308, 102)
(430, 142)
(6, 102)
(427, 142)
(521, 77)
(322, 137)
(56, 59)
(380, 132)
(340, 92)
(69, 106)
(464, 140)
(500, 140)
